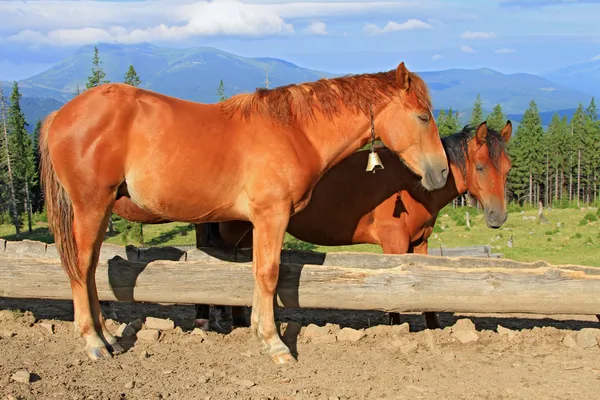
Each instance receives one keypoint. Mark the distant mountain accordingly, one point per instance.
(458, 88)
(37, 108)
(194, 74)
(191, 74)
(584, 76)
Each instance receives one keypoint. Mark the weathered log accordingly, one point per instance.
(365, 281)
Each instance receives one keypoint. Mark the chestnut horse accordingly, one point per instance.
(254, 157)
(388, 208)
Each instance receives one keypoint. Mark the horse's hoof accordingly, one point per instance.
(283, 358)
(98, 353)
(116, 349)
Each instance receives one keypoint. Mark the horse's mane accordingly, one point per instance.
(289, 104)
(456, 144)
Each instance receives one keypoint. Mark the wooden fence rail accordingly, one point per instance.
(362, 281)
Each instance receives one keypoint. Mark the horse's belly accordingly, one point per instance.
(185, 202)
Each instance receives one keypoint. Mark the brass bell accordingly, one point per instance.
(374, 162)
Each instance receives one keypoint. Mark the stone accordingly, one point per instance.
(502, 331)
(569, 365)
(48, 326)
(199, 332)
(245, 383)
(463, 324)
(569, 341)
(6, 334)
(431, 341)
(314, 331)
(587, 337)
(324, 339)
(6, 315)
(159, 324)
(350, 335)
(21, 377)
(130, 385)
(409, 347)
(465, 336)
(124, 330)
(144, 354)
(149, 335)
(401, 329)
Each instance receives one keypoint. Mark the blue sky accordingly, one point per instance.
(347, 36)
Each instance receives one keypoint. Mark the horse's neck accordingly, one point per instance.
(336, 138)
(455, 186)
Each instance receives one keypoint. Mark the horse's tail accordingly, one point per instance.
(59, 209)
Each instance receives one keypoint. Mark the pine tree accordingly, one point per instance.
(528, 152)
(97, 77)
(221, 91)
(37, 199)
(8, 166)
(21, 146)
(477, 113)
(448, 123)
(496, 120)
(131, 77)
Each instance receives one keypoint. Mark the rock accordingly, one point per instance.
(129, 385)
(430, 340)
(409, 347)
(588, 337)
(350, 335)
(379, 330)
(465, 336)
(159, 324)
(502, 331)
(569, 365)
(314, 331)
(11, 397)
(48, 326)
(569, 341)
(463, 324)
(401, 329)
(6, 315)
(324, 339)
(245, 383)
(149, 335)
(144, 354)
(124, 330)
(21, 377)
(199, 332)
(6, 334)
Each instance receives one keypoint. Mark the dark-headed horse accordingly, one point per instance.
(254, 157)
(388, 208)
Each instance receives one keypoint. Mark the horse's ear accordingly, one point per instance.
(482, 132)
(506, 131)
(402, 77)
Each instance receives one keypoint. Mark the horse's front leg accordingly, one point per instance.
(268, 235)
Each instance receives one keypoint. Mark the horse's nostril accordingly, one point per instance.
(445, 173)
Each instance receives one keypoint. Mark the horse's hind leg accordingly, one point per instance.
(90, 219)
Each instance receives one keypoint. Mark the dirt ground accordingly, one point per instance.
(535, 361)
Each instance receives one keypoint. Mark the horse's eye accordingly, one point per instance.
(424, 118)
(479, 167)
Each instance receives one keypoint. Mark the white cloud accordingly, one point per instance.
(467, 49)
(223, 17)
(317, 28)
(411, 24)
(595, 58)
(478, 35)
(505, 51)
(437, 57)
